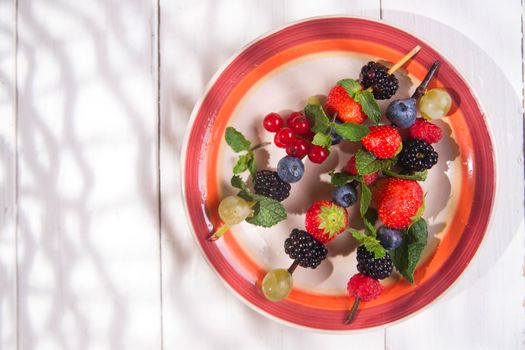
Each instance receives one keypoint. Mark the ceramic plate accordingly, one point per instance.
(277, 73)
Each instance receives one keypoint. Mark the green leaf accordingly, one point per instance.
(417, 176)
(252, 167)
(351, 86)
(367, 101)
(322, 139)
(366, 197)
(243, 163)
(419, 213)
(352, 131)
(366, 163)
(237, 182)
(372, 215)
(317, 117)
(236, 140)
(267, 212)
(407, 255)
(371, 243)
(340, 179)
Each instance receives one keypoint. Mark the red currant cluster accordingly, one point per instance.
(295, 136)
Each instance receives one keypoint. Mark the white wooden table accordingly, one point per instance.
(95, 252)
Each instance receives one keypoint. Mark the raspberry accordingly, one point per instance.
(426, 131)
(364, 287)
(417, 155)
(269, 184)
(304, 248)
(376, 75)
(370, 266)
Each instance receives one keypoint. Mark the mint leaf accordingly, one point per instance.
(351, 86)
(237, 182)
(371, 243)
(323, 140)
(267, 212)
(352, 131)
(417, 176)
(340, 179)
(243, 163)
(372, 215)
(419, 213)
(366, 197)
(252, 167)
(367, 101)
(236, 140)
(366, 163)
(407, 255)
(317, 117)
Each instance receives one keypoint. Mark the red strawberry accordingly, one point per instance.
(383, 141)
(425, 130)
(352, 170)
(397, 201)
(347, 109)
(325, 220)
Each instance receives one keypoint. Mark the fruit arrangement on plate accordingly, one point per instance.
(381, 178)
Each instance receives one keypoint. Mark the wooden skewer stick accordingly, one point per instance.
(404, 59)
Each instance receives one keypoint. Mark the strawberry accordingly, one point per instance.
(397, 201)
(383, 141)
(425, 130)
(325, 220)
(347, 109)
(352, 170)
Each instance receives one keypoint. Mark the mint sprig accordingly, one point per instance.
(417, 176)
(238, 143)
(364, 97)
(371, 243)
(236, 140)
(367, 163)
(340, 179)
(267, 211)
(407, 255)
(322, 139)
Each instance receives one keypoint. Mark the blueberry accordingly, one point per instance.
(389, 238)
(345, 195)
(402, 113)
(336, 138)
(290, 169)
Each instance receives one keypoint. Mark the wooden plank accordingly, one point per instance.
(8, 293)
(88, 257)
(197, 307)
(484, 309)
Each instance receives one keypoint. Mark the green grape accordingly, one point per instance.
(277, 284)
(435, 103)
(234, 209)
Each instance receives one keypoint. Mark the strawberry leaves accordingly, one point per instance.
(364, 97)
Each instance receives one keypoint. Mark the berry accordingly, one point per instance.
(347, 109)
(336, 138)
(376, 75)
(402, 113)
(383, 141)
(290, 169)
(364, 287)
(277, 284)
(352, 170)
(304, 248)
(370, 266)
(389, 238)
(273, 122)
(284, 137)
(426, 131)
(269, 184)
(317, 154)
(234, 209)
(298, 148)
(325, 220)
(417, 155)
(345, 195)
(300, 125)
(293, 116)
(397, 201)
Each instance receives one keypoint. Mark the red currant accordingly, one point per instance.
(284, 137)
(301, 125)
(298, 148)
(293, 116)
(273, 122)
(317, 154)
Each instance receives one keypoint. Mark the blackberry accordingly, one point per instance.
(304, 248)
(417, 155)
(375, 268)
(376, 75)
(269, 184)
